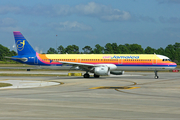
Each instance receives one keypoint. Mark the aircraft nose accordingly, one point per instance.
(173, 64)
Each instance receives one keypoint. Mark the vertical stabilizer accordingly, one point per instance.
(22, 45)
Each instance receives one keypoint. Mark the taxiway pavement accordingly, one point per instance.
(150, 99)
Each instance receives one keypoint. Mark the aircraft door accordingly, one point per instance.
(79, 60)
(154, 61)
(35, 60)
(120, 61)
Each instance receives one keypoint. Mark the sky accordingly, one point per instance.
(51, 23)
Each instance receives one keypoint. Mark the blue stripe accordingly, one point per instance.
(40, 63)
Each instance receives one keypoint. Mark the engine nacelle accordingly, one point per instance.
(102, 70)
(111, 66)
(117, 72)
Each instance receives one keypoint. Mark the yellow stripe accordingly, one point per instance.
(95, 56)
(111, 87)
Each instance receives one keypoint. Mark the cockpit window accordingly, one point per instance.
(166, 60)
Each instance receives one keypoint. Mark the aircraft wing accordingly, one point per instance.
(77, 64)
(86, 66)
(83, 66)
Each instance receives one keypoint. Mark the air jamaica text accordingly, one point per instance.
(121, 57)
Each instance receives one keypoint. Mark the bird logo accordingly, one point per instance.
(20, 44)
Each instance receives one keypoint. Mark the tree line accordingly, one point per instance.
(171, 51)
(4, 51)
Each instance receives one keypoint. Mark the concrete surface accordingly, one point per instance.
(156, 99)
(27, 84)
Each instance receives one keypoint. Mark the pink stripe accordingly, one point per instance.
(17, 33)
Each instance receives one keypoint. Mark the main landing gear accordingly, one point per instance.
(96, 76)
(86, 75)
(156, 76)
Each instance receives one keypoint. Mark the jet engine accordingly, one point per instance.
(102, 70)
(117, 72)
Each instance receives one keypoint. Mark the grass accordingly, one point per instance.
(8, 62)
(5, 84)
(30, 75)
(178, 66)
(36, 70)
(15, 65)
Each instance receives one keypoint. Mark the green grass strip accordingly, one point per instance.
(30, 75)
(5, 84)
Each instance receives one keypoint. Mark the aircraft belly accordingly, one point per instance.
(136, 68)
(124, 68)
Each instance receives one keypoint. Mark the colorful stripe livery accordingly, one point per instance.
(125, 60)
(89, 62)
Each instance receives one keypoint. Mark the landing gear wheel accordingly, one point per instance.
(156, 76)
(96, 76)
(86, 75)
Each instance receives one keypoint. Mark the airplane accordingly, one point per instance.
(99, 64)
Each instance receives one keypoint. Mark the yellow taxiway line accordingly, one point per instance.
(112, 87)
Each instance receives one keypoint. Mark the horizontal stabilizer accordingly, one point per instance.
(15, 58)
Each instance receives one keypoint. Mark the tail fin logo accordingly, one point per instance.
(20, 44)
